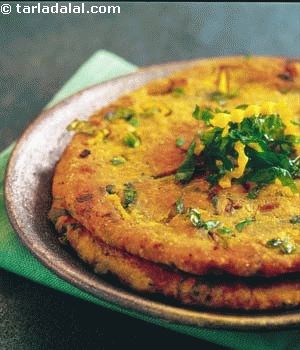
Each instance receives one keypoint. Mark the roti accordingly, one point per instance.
(202, 291)
(141, 176)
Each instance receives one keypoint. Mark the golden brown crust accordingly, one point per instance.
(212, 292)
(150, 229)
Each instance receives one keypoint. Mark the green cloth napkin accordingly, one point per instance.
(16, 258)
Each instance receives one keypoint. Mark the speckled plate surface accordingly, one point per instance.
(28, 199)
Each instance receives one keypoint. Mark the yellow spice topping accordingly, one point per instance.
(242, 160)
(268, 108)
(221, 120)
(252, 110)
(237, 115)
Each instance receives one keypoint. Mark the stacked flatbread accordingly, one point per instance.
(127, 197)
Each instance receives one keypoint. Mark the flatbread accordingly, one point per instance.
(149, 228)
(206, 291)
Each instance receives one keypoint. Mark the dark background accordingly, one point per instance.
(38, 53)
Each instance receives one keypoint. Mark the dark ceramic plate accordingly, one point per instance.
(27, 192)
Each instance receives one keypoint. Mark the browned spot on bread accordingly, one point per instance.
(268, 207)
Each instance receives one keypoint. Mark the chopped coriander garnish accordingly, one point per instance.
(195, 218)
(274, 243)
(179, 91)
(118, 160)
(179, 206)
(197, 113)
(180, 141)
(129, 195)
(134, 122)
(204, 114)
(197, 221)
(132, 140)
(285, 245)
(241, 225)
(224, 230)
(228, 153)
(295, 219)
(124, 113)
(210, 224)
(186, 170)
(120, 113)
(83, 127)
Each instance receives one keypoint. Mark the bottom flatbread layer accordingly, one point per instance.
(209, 291)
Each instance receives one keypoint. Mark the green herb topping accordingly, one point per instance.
(179, 206)
(295, 219)
(295, 122)
(129, 195)
(177, 92)
(202, 114)
(134, 122)
(224, 230)
(197, 221)
(130, 115)
(195, 218)
(118, 160)
(132, 140)
(284, 245)
(186, 170)
(210, 224)
(120, 113)
(180, 141)
(245, 147)
(83, 127)
(241, 225)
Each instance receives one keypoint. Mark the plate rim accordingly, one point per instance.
(129, 300)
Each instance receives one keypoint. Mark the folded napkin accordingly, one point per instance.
(16, 258)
